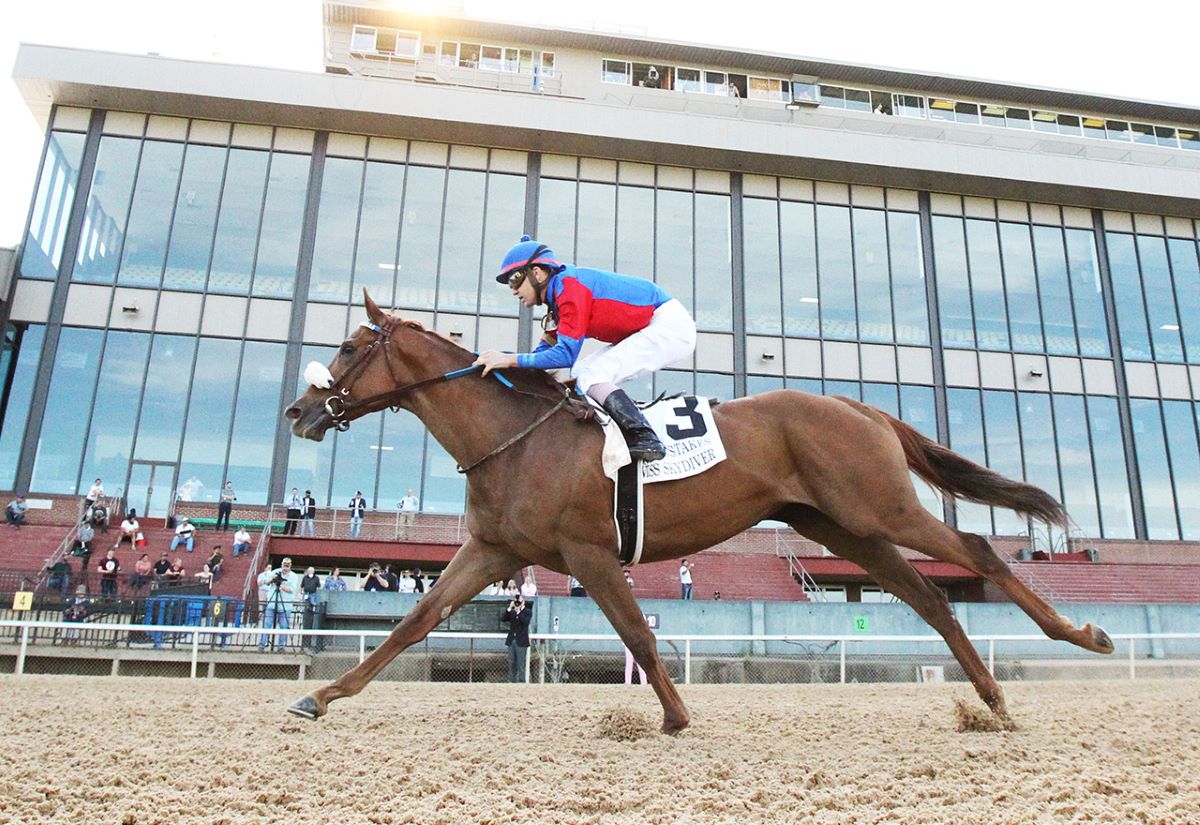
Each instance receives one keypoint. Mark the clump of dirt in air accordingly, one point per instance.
(624, 725)
(974, 719)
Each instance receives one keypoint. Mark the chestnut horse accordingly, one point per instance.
(834, 469)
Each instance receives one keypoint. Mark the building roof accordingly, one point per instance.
(672, 52)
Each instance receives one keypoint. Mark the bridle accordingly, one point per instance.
(342, 409)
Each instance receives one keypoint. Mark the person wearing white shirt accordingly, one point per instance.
(685, 580)
(407, 583)
(95, 494)
(528, 585)
(241, 542)
(184, 534)
(408, 510)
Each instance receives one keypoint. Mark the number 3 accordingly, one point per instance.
(688, 409)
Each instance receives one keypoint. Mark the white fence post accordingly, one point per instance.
(362, 647)
(687, 661)
(195, 651)
(842, 652)
(1132, 660)
(992, 656)
(24, 646)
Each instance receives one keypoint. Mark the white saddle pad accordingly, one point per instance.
(688, 432)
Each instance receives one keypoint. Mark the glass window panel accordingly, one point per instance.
(596, 238)
(672, 382)
(1189, 139)
(238, 222)
(908, 105)
(195, 218)
(858, 99)
(1158, 498)
(337, 221)
(1160, 298)
(1116, 510)
(1075, 461)
(105, 214)
(833, 96)
(635, 231)
(423, 195)
(673, 246)
(917, 410)
(884, 396)
(908, 278)
(687, 80)
(1069, 125)
(953, 285)
(808, 385)
(468, 55)
(378, 228)
(1143, 133)
(1053, 284)
(715, 83)
(491, 58)
(282, 223)
(445, 487)
(798, 248)
(1187, 289)
(871, 277)
(362, 39)
(762, 278)
(993, 115)
(1037, 437)
(714, 385)
(1004, 452)
(615, 71)
(252, 443)
(462, 236)
(57, 183)
(966, 438)
(355, 459)
(756, 384)
(209, 416)
(548, 64)
(941, 109)
(1180, 420)
(503, 220)
(1093, 127)
(1017, 118)
(145, 248)
(114, 412)
(72, 384)
(1045, 122)
(1118, 130)
(309, 462)
(1127, 293)
(965, 112)
(835, 269)
(714, 268)
(449, 53)
(400, 457)
(1086, 293)
(556, 216)
(165, 400)
(18, 400)
(1020, 286)
(987, 285)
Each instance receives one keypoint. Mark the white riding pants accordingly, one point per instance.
(669, 337)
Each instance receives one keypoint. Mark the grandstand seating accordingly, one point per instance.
(1112, 583)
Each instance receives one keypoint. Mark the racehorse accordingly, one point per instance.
(834, 469)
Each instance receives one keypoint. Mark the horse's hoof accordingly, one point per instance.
(1101, 643)
(673, 726)
(307, 708)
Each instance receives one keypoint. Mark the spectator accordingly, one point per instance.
(511, 590)
(83, 548)
(205, 577)
(310, 585)
(263, 590)
(308, 515)
(494, 589)
(295, 507)
(86, 536)
(14, 513)
(77, 609)
(184, 534)
(109, 567)
(130, 530)
(376, 579)
(517, 617)
(161, 568)
(575, 587)
(60, 576)
(392, 579)
(281, 590)
(405, 584)
(334, 582)
(241, 542)
(99, 519)
(734, 91)
(94, 494)
(418, 580)
(408, 511)
(716, 595)
(142, 571)
(215, 561)
(685, 580)
(175, 574)
(528, 585)
(358, 507)
(225, 505)
(652, 78)
(629, 662)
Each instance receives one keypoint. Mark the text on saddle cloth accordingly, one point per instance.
(688, 432)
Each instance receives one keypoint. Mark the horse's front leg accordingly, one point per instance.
(599, 572)
(474, 566)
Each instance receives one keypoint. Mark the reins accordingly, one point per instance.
(342, 409)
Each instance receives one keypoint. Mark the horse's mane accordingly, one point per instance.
(528, 380)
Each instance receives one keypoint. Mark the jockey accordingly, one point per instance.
(645, 328)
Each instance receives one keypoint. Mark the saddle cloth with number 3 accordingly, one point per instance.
(687, 429)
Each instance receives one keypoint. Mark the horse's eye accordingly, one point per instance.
(347, 349)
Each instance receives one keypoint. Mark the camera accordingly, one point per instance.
(277, 579)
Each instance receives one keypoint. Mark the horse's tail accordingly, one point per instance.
(960, 477)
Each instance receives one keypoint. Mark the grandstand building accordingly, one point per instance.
(1014, 270)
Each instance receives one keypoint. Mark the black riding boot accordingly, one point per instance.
(643, 443)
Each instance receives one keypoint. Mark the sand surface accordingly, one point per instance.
(135, 751)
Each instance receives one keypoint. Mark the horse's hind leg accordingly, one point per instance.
(598, 571)
(883, 561)
(473, 567)
(924, 533)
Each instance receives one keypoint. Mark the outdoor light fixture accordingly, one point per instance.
(768, 356)
(1035, 373)
(456, 335)
(130, 309)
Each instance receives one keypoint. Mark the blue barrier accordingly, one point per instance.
(193, 611)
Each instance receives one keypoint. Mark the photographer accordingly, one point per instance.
(517, 617)
(376, 580)
(281, 587)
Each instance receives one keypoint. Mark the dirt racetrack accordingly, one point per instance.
(136, 751)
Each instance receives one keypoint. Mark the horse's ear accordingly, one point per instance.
(374, 313)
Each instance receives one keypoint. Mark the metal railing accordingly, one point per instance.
(112, 503)
(598, 658)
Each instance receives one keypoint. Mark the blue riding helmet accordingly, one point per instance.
(526, 253)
